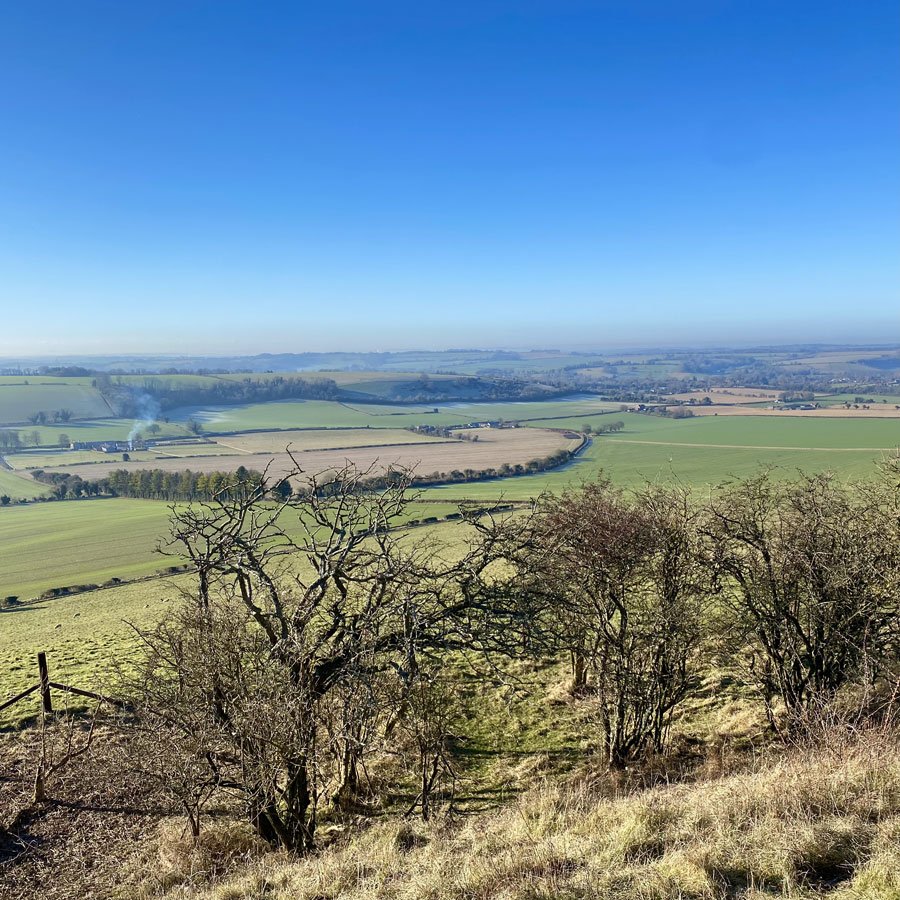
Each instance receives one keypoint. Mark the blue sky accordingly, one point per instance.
(231, 176)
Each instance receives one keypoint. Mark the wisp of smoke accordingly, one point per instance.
(146, 410)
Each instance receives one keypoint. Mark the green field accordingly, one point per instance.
(704, 451)
(18, 400)
(889, 400)
(326, 414)
(56, 544)
(765, 431)
(19, 487)
(85, 637)
(53, 544)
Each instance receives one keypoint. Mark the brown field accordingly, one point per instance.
(323, 439)
(832, 412)
(728, 395)
(493, 448)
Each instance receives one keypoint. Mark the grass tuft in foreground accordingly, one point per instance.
(809, 824)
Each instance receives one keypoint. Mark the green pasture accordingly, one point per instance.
(745, 431)
(18, 400)
(328, 414)
(59, 543)
(147, 382)
(86, 637)
(19, 487)
(889, 400)
(62, 543)
(765, 431)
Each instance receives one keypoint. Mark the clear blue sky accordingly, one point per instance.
(264, 176)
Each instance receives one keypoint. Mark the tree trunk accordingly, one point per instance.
(579, 671)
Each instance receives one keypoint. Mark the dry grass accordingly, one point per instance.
(812, 824)
(323, 439)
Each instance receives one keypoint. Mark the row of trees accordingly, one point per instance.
(11, 439)
(51, 418)
(316, 638)
(610, 428)
(154, 484)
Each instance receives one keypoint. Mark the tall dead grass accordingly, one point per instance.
(812, 823)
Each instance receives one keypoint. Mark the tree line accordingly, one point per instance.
(129, 398)
(152, 484)
(278, 685)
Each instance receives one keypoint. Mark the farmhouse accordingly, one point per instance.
(110, 446)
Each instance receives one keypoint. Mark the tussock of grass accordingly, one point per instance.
(810, 824)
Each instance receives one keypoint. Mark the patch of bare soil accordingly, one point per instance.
(96, 817)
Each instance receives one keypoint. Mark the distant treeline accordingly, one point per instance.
(154, 484)
(130, 399)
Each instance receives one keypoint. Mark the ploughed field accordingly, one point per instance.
(494, 447)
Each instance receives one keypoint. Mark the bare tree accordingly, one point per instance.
(304, 607)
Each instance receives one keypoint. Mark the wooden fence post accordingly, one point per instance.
(45, 682)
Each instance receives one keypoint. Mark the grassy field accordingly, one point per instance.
(84, 637)
(294, 414)
(61, 543)
(19, 487)
(18, 400)
(47, 545)
(706, 451)
(837, 399)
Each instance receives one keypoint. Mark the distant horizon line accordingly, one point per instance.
(561, 349)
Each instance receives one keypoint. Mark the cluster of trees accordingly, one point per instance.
(426, 389)
(610, 428)
(444, 431)
(278, 683)
(11, 439)
(51, 418)
(153, 484)
(67, 486)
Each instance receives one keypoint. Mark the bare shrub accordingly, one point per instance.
(629, 590)
(811, 577)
